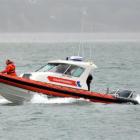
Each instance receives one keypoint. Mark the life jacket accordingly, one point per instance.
(10, 69)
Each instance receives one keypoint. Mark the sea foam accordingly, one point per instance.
(39, 98)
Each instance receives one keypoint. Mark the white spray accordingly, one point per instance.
(138, 98)
(40, 98)
(3, 100)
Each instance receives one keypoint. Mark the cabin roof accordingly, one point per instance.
(78, 63)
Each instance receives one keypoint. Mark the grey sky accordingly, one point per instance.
(69, 15)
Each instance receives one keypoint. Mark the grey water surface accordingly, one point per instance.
(118, 67)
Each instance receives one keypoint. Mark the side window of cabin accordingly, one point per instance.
(74, 71)
(78, 72)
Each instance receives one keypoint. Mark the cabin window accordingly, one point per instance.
(47, 67)
(61, 68)
(74, 71)
(78, 72)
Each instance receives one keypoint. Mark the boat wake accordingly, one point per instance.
(3, 100)
(43, 99)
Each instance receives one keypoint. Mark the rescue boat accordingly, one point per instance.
(59, 78)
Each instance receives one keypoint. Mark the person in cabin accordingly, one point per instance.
(89, 79)
(10, 68)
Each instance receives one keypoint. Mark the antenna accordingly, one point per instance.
(79, 48)
(73, 50)
(90, 52)
(83, 51)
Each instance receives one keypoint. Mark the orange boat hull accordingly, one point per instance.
(60, 91)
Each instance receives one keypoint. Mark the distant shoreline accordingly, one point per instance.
(67, 37)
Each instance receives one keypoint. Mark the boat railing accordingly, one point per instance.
(123, 93)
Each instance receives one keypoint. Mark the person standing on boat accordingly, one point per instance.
(10, 68)
(89, 79)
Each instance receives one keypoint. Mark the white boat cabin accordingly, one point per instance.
(72, 72)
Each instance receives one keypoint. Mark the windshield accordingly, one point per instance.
(61, 68)
(47, 67)
(68, 69)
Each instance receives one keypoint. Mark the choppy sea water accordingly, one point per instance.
(69, 119)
